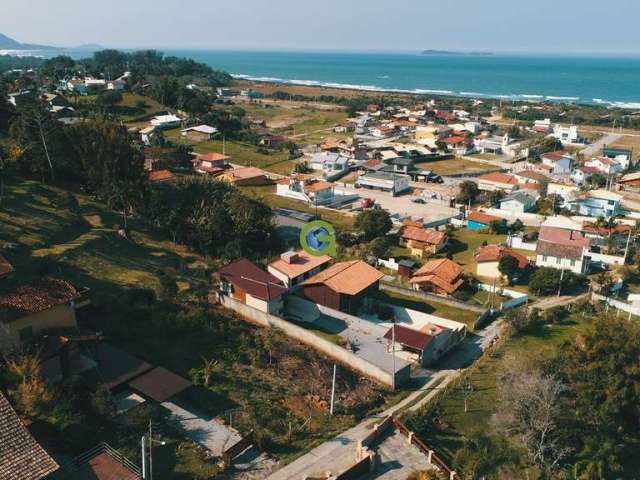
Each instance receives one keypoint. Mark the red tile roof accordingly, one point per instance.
(5, 267)
(349, 278)
(318, 186)
(423, 235)
(213, 157)
(409, 337)
(493, 253)
(160, 176)
(443, 273)
(38, 296)
(21, 457)
(561, 236)
(252, 279)
(483, 218)
(619, 229)
(243, 174)
(589, 170)
(302, 264)
(555, 156)
(455, 140)
(497, 177)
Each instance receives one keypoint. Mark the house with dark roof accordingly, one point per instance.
(442, 277)
(430, 343)
(247, 283)
(21, 456)
(520, 201)
(342, 286)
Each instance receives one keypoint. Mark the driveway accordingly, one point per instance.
(205, 431)
(402, 205)
(595, 148)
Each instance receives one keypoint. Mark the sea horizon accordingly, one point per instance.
(608, 79)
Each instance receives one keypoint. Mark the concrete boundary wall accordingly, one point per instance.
(611, 302)
(309, 338)
(517, 298)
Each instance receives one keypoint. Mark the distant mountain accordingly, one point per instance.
(7, 43)
(450, 52)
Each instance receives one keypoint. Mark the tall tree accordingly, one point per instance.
(373, 223)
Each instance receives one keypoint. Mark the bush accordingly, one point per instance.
(385, 312)
(168, 284)
(546, 281)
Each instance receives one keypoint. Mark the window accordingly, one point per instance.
(544, 258)
(573, 263)
(558, 260)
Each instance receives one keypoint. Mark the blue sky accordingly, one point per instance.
(497, 25)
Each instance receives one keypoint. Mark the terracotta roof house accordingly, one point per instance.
(214, 163)
(477, 220)
(442, 277)
(421, 240)
(563, 249)
(245, 282)
(27, 309)
(342, 286)
(488, 258)
(497, 181)
(161, 176)
(531, 176)
(292, 268)
(21, 457)
(246, 176)
(5, 267)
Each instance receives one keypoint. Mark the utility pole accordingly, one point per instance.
(333, 389)
(150, 452)
(393, 355)
(561, 277)
(144, 458)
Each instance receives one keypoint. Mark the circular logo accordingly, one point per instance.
(318, 238)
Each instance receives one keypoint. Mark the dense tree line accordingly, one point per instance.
(212, 217)
(9, 62)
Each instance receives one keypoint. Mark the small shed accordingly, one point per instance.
(405, 268)
(160, 384)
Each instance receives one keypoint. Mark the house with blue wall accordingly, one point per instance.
(479, 220)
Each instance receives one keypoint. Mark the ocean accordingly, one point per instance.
(607, 80)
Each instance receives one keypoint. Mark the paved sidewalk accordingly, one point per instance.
(213, 436)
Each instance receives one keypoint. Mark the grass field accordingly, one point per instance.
(457, 166)
(535, 346)
(129, 105)
(431, 307)
(628, 141)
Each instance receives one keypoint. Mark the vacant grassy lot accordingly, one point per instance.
(457, 166)
(629, 141)
(431, 307)
(131, 107)
(535, 346)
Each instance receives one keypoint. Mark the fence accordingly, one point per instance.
(391, 264)
(341, 355)
(517, 298)
(606, 259)
(432, 457)
(70, 470)
(430, 296)
(611, 302)
(517, 242)
(237, 448)
(529, 219)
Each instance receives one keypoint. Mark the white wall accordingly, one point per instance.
(559, 263)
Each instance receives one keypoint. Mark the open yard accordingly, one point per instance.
(456, 166)
(132, 106)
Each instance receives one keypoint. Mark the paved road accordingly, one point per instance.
(338, 453)
(555, 301)
(595, 148)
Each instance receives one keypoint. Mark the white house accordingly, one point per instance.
(166, 121)
(520, 201)
(199, 132)
(567, 134)
(117, 85)
(493, 144)
(607, 166)
(332, 165)
(542, 126)
(580, 175)
(306, 188)
(387, 182)
(559, 163)
(146, 134)
(563, 249)
(494, 181)
(597, 203)
(567, 192)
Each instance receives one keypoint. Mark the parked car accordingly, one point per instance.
(418, 200)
